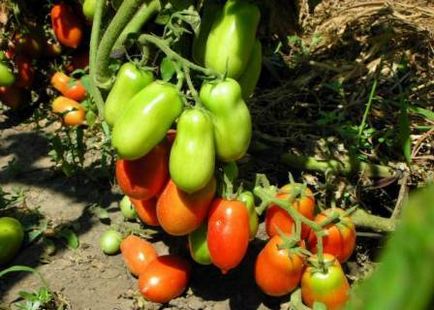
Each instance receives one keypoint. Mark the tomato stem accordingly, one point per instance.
(124, 14)
(94, 40)
(191, 86)
(163, 46)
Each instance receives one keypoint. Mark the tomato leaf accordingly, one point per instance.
(99, 212)
(70, 237)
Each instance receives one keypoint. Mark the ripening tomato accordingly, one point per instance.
(72, 112)
(228, 233)
(179, 213)
(137, 253)
(26, 72)
(146, 210)
(145, 177)
(340, 238)
(329, 286)
(12, 96)
(165, 278)
(68, 87)
(278, 271)
(66, 25)
(278, 217)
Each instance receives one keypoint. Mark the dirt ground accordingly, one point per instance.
(85, 277)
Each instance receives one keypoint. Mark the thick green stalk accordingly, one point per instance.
(362, 218)
(146, 11)
(94, 40)
(125, 13)
(347, 166)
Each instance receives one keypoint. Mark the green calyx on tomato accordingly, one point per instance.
(129, 81)
(326, 284)
(11, 238)
(249, 201)
(7, 77)
(198, 245)
(127, 208)
(250, 76)
(110, 241)
(232, 37)
(150, 114)
(192, 156)
(231, 118)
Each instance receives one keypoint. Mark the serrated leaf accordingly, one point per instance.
(70, 237)
(167, 69)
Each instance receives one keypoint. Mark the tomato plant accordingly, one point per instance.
(277, 217)
(165, 278)
(340, 238)
(11, 238)
(278, 270)
(145, 177)
(327, 284)
(137, 254)
(66, 25)
(179, 213)
(228, 233)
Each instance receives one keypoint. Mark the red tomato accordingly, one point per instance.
(72, 112)
(69, 87)
(145, 177)
(26, 72)
(66, 25)
(137, 254)
(146, 211)
(179, 213)
(165, 278)
(330, 287)
(228, 233)
(12, 96)
(79, 60)
(340, 238)
(278, 272)
(278, 217)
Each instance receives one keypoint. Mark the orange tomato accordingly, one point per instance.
(340, 238)
(278, 217)
(146, 210)
(68, 87)
(228, 233)
(145, 177)
(66, 25)
(278, 271)
(179, 213)
(165, 278)
(72, 112)
(137, 254)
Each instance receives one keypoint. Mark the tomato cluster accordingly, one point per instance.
(282, 264)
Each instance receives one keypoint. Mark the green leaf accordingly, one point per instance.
(167, 69)
(422, 112)
(99, 212)
(91, 118)
(70, 237)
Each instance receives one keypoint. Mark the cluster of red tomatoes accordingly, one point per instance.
(31, 49)
(279, 269)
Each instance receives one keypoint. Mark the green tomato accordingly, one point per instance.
(110, 242)
(127, 208)
(145, 122)
(198, 245)
(89, 7)
(249, 200)
(11, 238)
(250, 76)
(129, 81)
(7, 78)
(231, 118)
(192, 156)
(231, 38)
